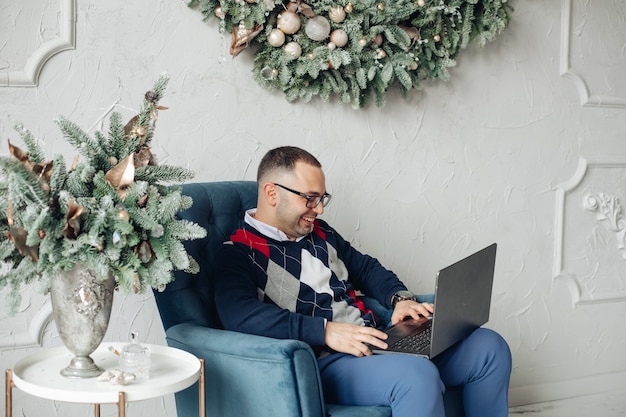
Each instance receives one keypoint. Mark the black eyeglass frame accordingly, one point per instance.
(312, 201)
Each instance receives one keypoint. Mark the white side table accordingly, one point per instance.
(172, 370)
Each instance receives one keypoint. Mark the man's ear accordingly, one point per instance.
(270, 194)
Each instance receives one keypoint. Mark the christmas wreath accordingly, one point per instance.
(352, 49)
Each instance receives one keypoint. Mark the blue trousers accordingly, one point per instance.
(414, 386)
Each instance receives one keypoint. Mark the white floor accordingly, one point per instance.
(610, 404)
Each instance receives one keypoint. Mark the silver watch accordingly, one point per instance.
(401, 296)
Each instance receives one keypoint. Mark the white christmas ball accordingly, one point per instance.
(293, 50)
(317, 28)
(289, 22)
(339, 37)
(337, 14)
(276, 38)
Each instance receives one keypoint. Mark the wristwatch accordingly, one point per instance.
(401, 296)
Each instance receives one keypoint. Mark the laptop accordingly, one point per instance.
(462, 304)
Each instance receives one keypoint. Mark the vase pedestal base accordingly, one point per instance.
(82, 367)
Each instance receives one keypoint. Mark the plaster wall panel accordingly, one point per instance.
(32, 32)
(592, 56)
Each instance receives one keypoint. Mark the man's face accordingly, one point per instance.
(294, 218)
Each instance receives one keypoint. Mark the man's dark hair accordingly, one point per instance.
(284, 159)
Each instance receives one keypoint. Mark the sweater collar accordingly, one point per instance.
(267, 230)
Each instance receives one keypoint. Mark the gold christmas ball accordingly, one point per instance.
(276, 37)
(219, 12)
(288, 22)
(362, 42)
(41, 233)
(339, 37)
(139, 131)
(250, 1)
(420, 3)
(331, 46)
(348, 8)
(293, 50)
(378, 40)
(123, 215)
(380, 53)
(337, 14)
(436, 38)
(414, 65)
(380, 6)
(310, 56)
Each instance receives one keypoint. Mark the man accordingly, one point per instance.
(287, 274)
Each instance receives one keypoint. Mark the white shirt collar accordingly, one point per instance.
(266, 229)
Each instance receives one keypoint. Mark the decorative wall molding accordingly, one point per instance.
(608, 211)
(568, 29)
(34, 336)
(29, 75)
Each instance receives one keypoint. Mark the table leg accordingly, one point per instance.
(201, 394)
(96, 410)
(121, 404)
(9, 392)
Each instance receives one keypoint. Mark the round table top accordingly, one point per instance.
(171, 370)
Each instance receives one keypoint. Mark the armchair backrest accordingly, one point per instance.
(219, 207)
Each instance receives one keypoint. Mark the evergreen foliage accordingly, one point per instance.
(390, 43)
(113, 211)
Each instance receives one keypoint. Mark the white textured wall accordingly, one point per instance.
(505, 151)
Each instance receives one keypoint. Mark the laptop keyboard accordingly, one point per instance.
(418, 342)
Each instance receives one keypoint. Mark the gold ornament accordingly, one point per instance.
(420, 3)
(380, 54)
(242, 37)
(380, 7)
(219, 12)
(337, 14)
(288, 22)
(293, 50)
(276, 38)
(436, 38)
(123, 214)
(339, 37)
(310, 56)
(378, 40)
(362, 42)
(41, 234)
(348, 8)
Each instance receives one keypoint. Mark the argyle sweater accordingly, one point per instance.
(288, 289)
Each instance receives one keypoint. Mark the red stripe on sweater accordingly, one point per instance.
(253, 241)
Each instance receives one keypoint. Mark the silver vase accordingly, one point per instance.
(81, 303)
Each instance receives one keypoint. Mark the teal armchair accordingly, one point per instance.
(246, 375)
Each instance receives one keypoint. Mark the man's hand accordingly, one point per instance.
(410, 308)
(352, 339)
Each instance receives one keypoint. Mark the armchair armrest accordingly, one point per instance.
(245, 372)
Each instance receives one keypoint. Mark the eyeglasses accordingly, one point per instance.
(312, 201)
